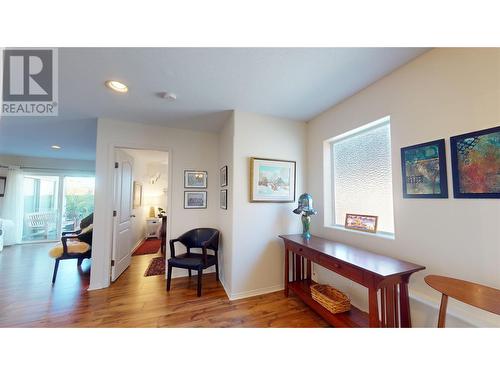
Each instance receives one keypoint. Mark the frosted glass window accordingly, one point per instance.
(362, 175)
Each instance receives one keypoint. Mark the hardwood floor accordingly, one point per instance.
(27, 298)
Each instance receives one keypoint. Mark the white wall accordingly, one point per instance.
(226, 217)
(444, 92)
(187, 150)
(257, 253)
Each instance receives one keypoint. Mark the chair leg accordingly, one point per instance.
(217, 271)
(200, 274)
(189, 273)
(80, 261)
(169, 276)
(56, 266)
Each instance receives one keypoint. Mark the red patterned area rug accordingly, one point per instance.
(150, 246)
(156, 267)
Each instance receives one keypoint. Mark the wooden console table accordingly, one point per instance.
(382, 275)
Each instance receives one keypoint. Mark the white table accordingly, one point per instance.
(152, 227)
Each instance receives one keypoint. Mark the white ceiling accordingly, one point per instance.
(29, 136)
(294, 83)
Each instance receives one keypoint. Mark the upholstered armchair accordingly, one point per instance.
(202, 238)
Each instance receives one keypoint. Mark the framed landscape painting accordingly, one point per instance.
(272, 180)
(475, 162)
(424, 170)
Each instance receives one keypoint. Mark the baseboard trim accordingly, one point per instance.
(226, 290)
(97, 286)
(255, 292)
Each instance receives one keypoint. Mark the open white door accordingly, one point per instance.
(122, 231)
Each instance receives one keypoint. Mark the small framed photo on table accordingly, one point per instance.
(195, 179)
(364, 223)
(195, 199)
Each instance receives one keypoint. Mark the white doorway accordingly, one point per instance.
(141, 193)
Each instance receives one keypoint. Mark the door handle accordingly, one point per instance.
(132, 215)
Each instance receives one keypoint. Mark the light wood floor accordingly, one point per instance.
(28, 299)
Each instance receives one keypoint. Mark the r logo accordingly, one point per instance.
(28, 75)
(30, 82)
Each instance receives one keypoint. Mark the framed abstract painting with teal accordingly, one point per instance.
(424, 170)
(475, 161)
(272, 180)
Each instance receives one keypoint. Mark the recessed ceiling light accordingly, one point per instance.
(55, 147)
(117, 86)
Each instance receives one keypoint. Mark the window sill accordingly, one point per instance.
(386, 235)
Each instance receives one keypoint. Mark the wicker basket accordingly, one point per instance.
(330, 298)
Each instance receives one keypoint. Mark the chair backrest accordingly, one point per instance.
(86, 221)
(477, 295)
(195, 237)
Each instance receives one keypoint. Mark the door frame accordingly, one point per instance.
(168, 210)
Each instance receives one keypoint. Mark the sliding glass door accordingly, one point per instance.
(78, 201)
(54, 204)
(41, 204)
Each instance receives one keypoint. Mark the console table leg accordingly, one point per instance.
(287, 270)
(309, 270)
(389, 300)
(373, 308)
(298, 267)
(405, 305)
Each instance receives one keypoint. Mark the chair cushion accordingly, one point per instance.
(74, 247)
(192, 260)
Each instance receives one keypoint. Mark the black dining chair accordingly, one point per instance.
(74, 245)
(201, 238)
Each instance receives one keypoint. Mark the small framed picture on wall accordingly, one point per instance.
(137, 195)
(223, 199)
(195, 199)
(424, 170)
(475, 163)
(3, 182)
(223, 176)
(195, 179)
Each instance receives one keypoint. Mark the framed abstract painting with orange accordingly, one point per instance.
(475, 162)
